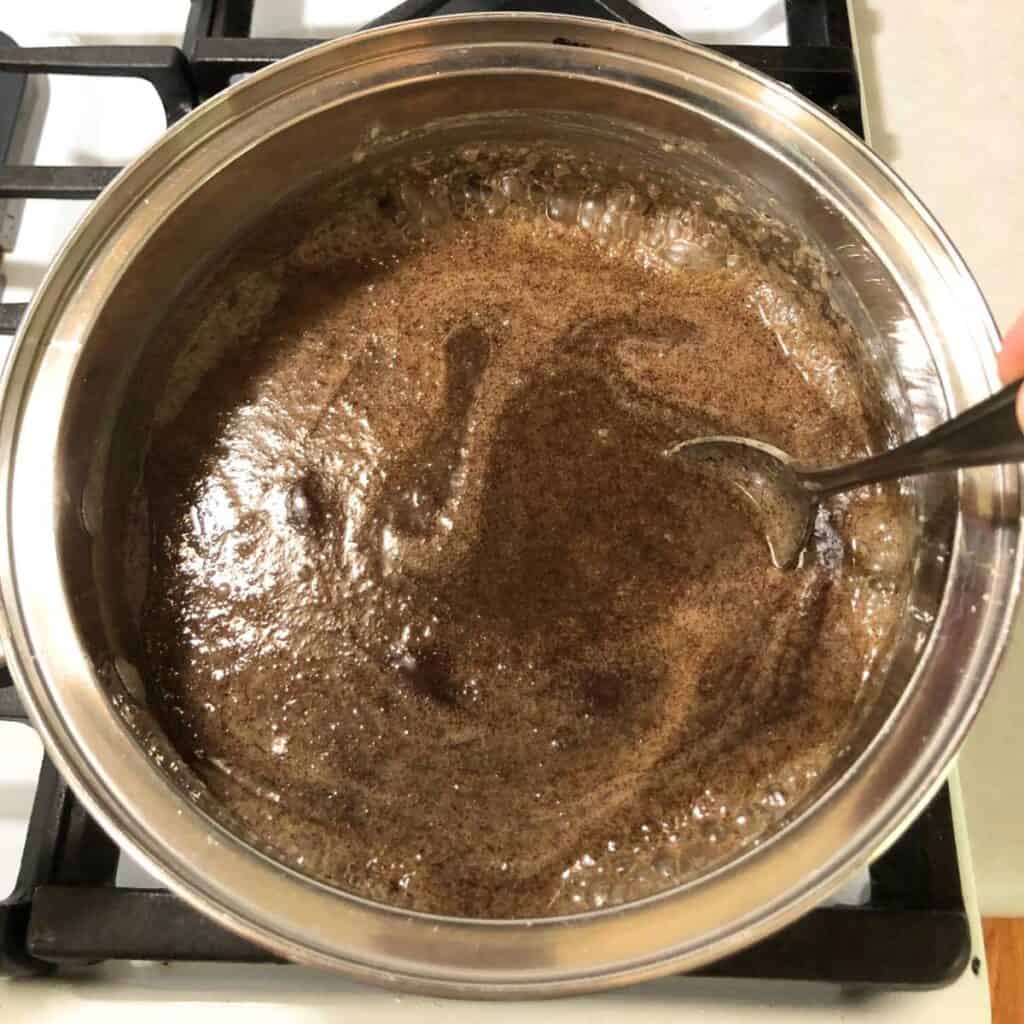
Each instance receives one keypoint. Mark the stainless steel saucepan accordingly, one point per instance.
(89, 364)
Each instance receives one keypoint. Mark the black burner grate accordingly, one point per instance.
(65, 908)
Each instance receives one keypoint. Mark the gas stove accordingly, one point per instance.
(77, 900)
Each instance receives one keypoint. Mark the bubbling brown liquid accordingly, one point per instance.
(429, 610)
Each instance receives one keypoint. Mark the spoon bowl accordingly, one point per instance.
(770, 484)
(783, 496)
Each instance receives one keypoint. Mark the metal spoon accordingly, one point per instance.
(785, 495)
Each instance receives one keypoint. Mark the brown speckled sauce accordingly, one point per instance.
(429, 609)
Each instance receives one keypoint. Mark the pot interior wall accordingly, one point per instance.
(127, 362)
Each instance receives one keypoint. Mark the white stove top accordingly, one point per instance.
(87, 121)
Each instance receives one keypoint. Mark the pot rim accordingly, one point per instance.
(302, 919)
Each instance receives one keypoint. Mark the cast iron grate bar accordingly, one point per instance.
(42, 842)
(859, 946)
(164, 67)
(12, 95)
(83, 924)
(12, 89)
(33, 182)
(75, 924)
(11, 314)
(818, 23)
(807, 23)
(10, 705)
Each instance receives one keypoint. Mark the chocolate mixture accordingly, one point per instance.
(429, 609)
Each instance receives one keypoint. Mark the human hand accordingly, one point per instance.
(1011, 362)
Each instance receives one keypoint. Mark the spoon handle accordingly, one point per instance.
(986, 434)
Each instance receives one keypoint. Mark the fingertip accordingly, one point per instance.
(1011, 355)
